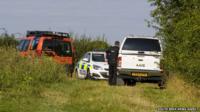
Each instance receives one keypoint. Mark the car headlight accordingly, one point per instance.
(96, 67)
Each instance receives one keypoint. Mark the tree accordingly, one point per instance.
(84, 43)
(178, 24)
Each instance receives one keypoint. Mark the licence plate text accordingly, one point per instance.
(139, 74)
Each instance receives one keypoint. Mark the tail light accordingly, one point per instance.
(119, 61)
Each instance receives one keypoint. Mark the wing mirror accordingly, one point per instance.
(85, 59)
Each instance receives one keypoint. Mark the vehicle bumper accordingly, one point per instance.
(149, 72)
(152, 79)
(152, 75)
(99, 74)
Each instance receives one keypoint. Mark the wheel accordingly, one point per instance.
(129, 82)
(79, 75)
(132, 83)
(88, 75)
(162, 84)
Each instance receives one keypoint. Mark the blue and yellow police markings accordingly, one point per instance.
(83, 67)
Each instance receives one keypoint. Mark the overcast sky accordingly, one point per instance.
(114, 18)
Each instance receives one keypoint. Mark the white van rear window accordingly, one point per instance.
(141, 44)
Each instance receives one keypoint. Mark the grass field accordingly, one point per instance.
(94, 96)
(28, 85)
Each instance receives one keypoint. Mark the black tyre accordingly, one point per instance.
(129, 82)
(132, 83)
(163, 83)
(88, 75)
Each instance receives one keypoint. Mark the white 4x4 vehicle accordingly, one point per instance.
(93, 65)
(139, 60)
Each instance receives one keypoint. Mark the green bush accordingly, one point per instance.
(8, 40)
(84, 43)
(27, 74)
(179, 27)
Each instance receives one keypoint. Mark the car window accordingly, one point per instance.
(86, 56)
(23, 45)
(48, 45)
(26, 45)
(97, 57)
(35, 43)
(20, 46)
(140, 44)
(64, 48)
(61, 48)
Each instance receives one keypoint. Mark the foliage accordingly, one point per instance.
(27, 75)
(8, 40)
(84, 43)
(24, 79)
(39, 85)
(19, 73)
(178, 24)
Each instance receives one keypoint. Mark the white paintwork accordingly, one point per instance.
(132, 60)
(103, 65)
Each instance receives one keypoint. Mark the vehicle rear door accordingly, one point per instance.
(142, 54)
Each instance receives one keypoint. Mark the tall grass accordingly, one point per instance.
(39, 85)
(19, 73)
(179, 93)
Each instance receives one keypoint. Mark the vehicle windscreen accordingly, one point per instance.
(23, 45)
(98, 57)
(139, 44)
(60, 47)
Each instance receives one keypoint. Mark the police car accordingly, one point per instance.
(93, 65)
